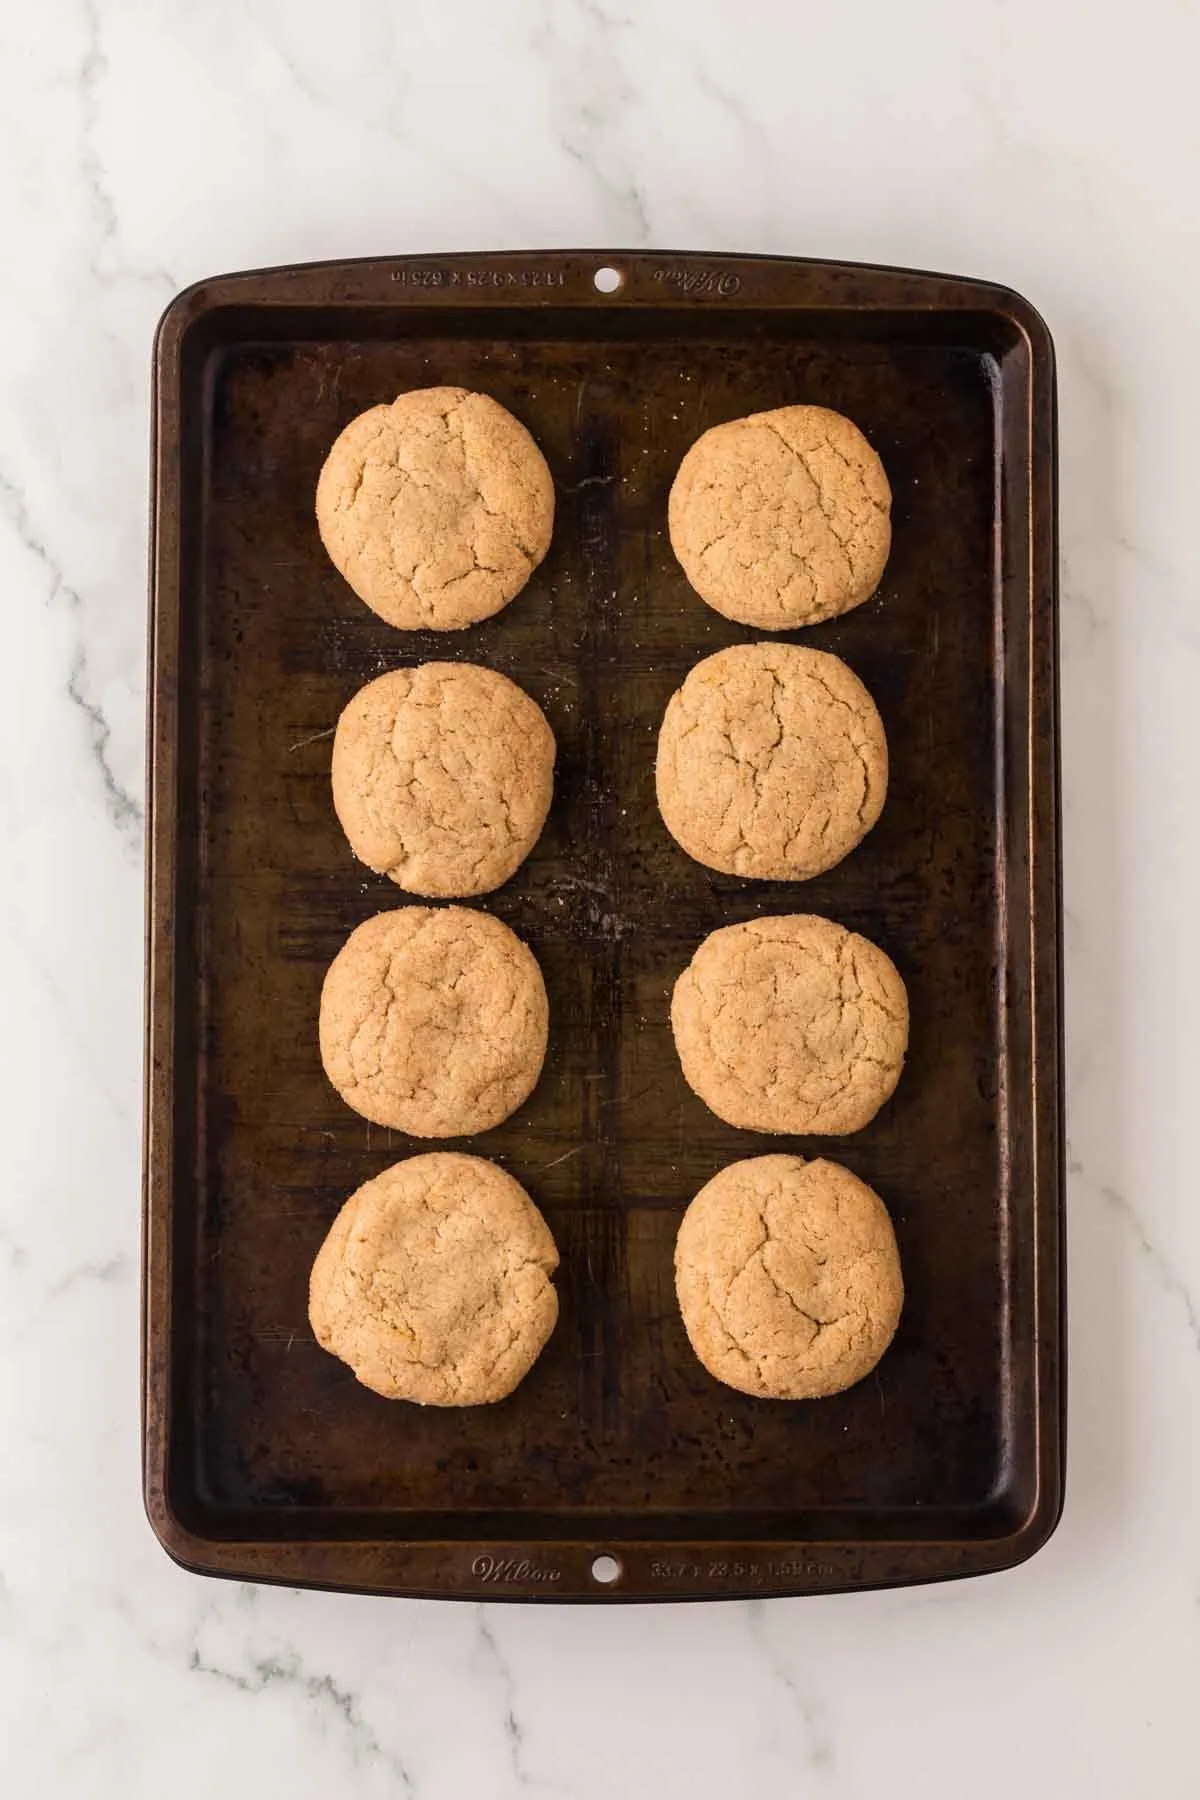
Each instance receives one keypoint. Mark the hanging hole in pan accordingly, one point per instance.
(606, 1570)
(608, 281)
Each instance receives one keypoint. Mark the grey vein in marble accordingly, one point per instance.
(13, 1253)
(593, 109)
(123, 809)
(93, 67)
(514, 1732)
(105, 1273)
(387, 119)
(819, 1744)
(341, 1703)
(1168, 1279)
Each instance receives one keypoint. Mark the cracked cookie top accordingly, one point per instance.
(788, 1277)
(436, 508)
(782, 518)
(772, 762)
(442, 777)
(434, 1021)
(434, 1282)
(791, 1024)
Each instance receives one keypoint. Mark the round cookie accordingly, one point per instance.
(782, 518)
(442, 777)
(434, 1282)
(791, 1024)
(436, 508)
(772, 762)
(434, 1021)
(788, 1277)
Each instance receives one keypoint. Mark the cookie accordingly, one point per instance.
(791, 1024)
(772, 762)
(434, 1282)
(782, 518)
(433, 1021)
(442, 777)
(436, 509)
(788, 1277)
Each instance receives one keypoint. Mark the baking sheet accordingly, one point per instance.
(264, 1458)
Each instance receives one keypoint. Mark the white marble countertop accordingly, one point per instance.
(145, 143)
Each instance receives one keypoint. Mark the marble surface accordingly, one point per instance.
(144, 143)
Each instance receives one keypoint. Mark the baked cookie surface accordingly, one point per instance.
(782, 518)
(434, 1282)
(791, 1024)
(772, 762)
(435, 508)
(788, 1277)
(434, 1021)
(442, 777)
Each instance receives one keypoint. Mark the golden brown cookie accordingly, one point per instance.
(791, 1024)
(434, 1021)
(772, 762)
(436, 509)
(782, 518)
(434, 1282)
(442, 777)
(788, 1277)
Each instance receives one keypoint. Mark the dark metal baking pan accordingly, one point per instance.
(263, 1457)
